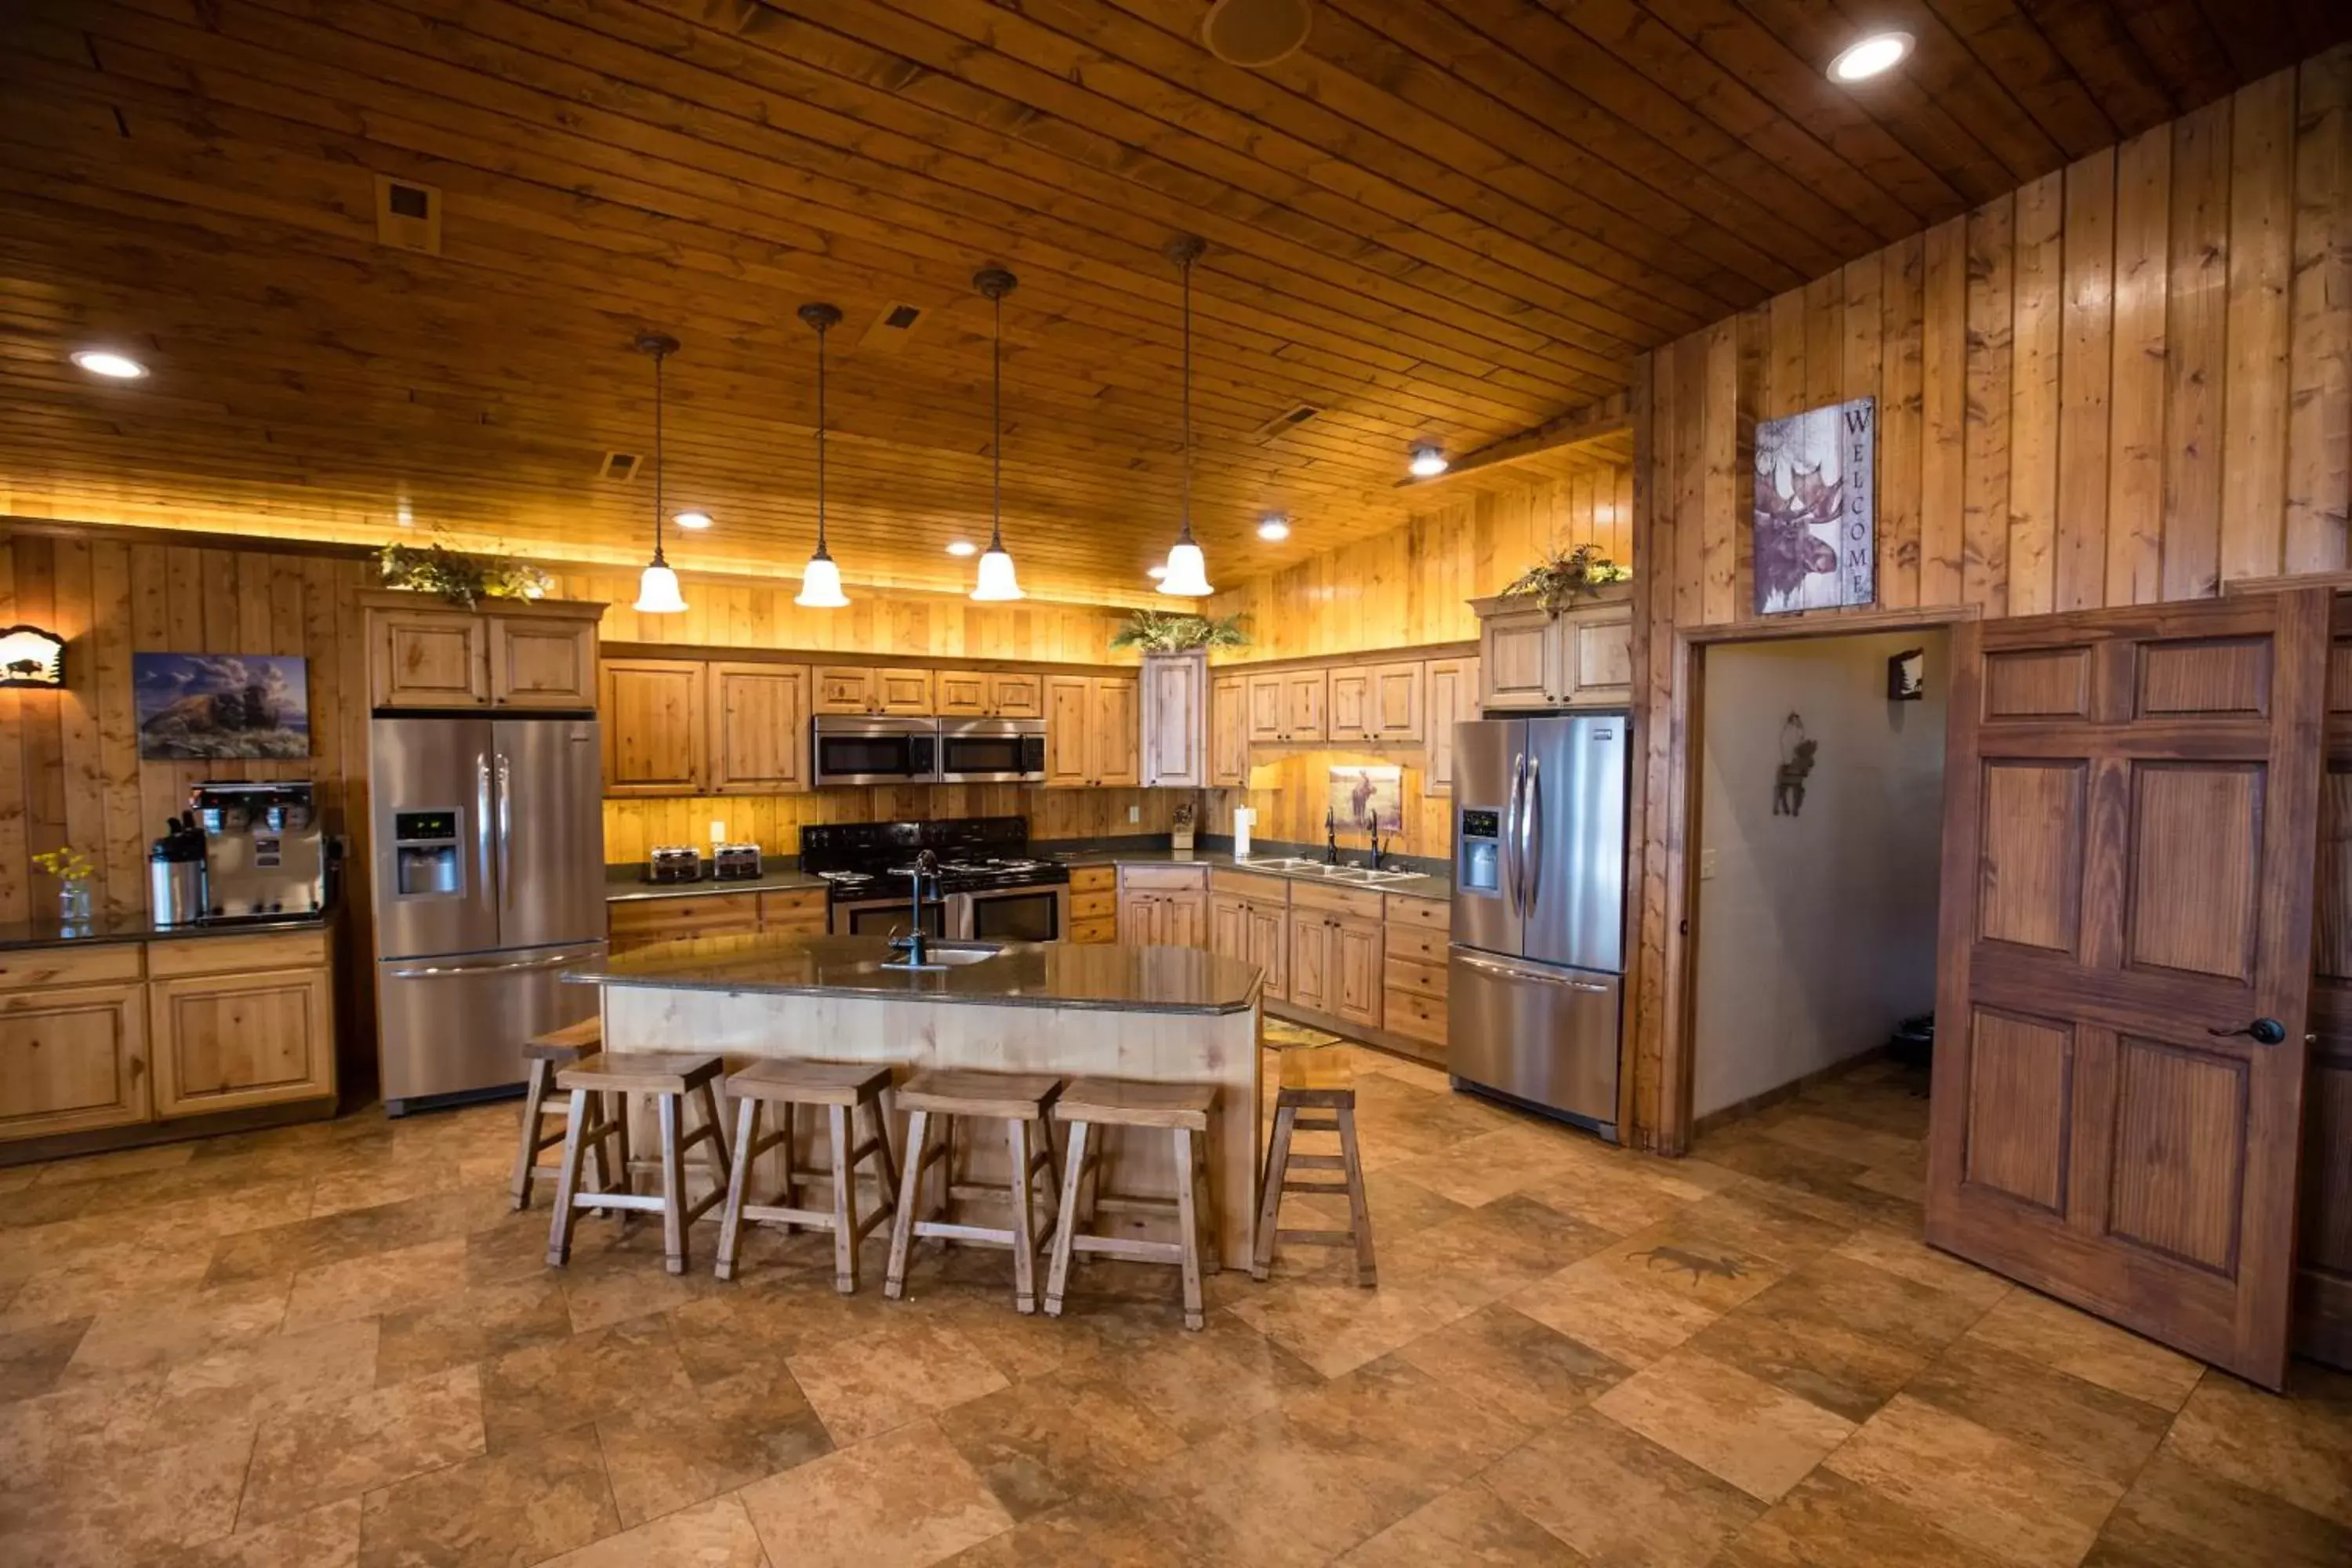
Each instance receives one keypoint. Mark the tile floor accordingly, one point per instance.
(335, 1345)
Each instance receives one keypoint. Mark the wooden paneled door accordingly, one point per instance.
(2323, 1284)
(2130, 820)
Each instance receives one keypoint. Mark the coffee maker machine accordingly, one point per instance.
(264, 856)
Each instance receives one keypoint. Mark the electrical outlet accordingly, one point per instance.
(717, 830)
(1134, 813)
(1706, 864)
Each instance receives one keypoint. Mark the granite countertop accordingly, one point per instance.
(1423, 885)
(1024, 975)
(47, 931)
(626, 884)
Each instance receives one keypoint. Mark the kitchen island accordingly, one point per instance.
(1160, 1013)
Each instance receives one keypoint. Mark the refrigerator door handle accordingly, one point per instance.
(1501, 970)
(1530, 846)
(482, 812)
(440, 971)
(505, 834)
(1512, 870)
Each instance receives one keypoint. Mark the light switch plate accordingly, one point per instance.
(1706, 864)
(1135, 814)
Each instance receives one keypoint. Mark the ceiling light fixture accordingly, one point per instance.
(821, 584)
(108, 363)
(1187, 576)
(959, 547)
(657, 592)
(692, 521)
(996, 581)
(1874, 55)
(1274, 530)
(1428, 461)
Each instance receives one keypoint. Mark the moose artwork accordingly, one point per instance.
(1816, 509)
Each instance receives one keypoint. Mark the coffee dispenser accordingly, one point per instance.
(263, 855)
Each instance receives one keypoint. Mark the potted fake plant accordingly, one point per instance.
(1563, 576)
(1168, 631)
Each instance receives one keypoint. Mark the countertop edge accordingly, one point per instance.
(1087, 1004)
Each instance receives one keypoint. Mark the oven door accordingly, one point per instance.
(885, 917)
(1011, 915)
(874, 750)
(993, 751)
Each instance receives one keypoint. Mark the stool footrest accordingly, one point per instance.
(1326, 1188)
(1315, 1124)
(974, 1234)
(1136, 1247)
(1319, 1162)
(1128, 1203)
(1318, 1238)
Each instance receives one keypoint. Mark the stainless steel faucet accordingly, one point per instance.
(916, 944)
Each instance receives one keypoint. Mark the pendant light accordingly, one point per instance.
(996, 581)
(821, 584)
(657, 592)
(1187, 576)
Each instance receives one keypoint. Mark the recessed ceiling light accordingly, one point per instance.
(696, 521)
(1155, 570)
(1428, 461)
(1869, 56)
(1273, 527)
(113, 366)
(962, 547)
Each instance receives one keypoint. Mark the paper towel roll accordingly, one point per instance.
(1244, 820)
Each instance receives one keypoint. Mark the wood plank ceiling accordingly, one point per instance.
(1442, 219)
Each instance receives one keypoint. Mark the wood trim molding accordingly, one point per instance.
(849, 656)
(1611, 415)
(2340, 581)
(1830, 624)
(1402, 655)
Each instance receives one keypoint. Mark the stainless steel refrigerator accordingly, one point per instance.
(1537, 977)
(489, 880)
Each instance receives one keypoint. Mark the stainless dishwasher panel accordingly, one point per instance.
(454, 1028)
(1541, 1033)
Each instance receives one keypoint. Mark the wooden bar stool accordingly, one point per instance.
(843, 1088)
(669, 1077)
(935, 1102)
(1090, 1103)
(1315, 1079)
(545, 1053)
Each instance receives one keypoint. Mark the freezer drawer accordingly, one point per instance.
(455, 1026)
(1538, 1033)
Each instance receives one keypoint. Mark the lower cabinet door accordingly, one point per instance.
(1354, 965)
(1268, 945)
(228, 1040)
(1309, 973)
(71, 1060)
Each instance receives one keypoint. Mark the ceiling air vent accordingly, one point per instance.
(1288, 419)
(619, 467)
(891, 327)
(409, 215)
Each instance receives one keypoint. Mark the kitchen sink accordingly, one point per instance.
(1295, 865)
(946, 955)
(1283, 863)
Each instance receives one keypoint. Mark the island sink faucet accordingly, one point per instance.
(915, 944)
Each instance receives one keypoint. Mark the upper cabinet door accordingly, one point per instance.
(905, 693)
(1453, 687)
(430, 658)
(841, 688)
(1228, 732)
(1517, 657)
(963, 694)
(1596, 653)
(1395, 702)
(542, 663)
(1116, 728)
(1266, 708)
(1017, 696)
(1306, 695)
(654, 715)
(1175, 721)
(1069, 720)
(1351, 705)
(759, 728)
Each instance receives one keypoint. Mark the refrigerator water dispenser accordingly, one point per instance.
(427, 858)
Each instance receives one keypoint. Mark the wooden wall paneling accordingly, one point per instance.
(2195, 351)
(1755, 328)
(2037, 274)
(1720, 496)
(1901, 366)
(2136, 444)
(1984, 565)
(2254, 401)
(1864, 350)
(2319, 406)
(2085, 372)
(16, 851)
(1943, 456)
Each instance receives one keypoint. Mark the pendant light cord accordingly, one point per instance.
(820, 443)
(660, 468)
(996, 427)
(1188, 398)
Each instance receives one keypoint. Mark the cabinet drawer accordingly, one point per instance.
(1433, 914)
(704, 914)
(1102, 930)
(1102, 906)
(1353, 901)
(1422, 979)
(1093, 878)
(1417, 944)
(800, 912)
(68, 967)
(1416, 1016)
(235, 954)
(1172, 877)
(1250, 885)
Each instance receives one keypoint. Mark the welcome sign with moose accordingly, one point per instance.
(1817, 509)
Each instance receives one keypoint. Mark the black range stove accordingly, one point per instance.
(990, 886)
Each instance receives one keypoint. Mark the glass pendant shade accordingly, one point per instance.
(1188, 570)
(657, 592)
(821, 586)
(996, 580)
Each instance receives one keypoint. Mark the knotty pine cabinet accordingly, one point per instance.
(1336, 948)
(989, 694)
(1228, 733)
(1377, 702)
(1093, 903)
(1163, 906)
(877, 688)
(758, 728)
(74, 1058)
(633, 923)
(1582, 657)
(1175, 697)
(1091, 731)
(525, 654)
(1249, 920)
(1288, 707)
(1450, 696)
(655, 716)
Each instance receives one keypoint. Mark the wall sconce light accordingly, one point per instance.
(31, 657)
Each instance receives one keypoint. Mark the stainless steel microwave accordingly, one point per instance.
(851, 749)
(993, 751)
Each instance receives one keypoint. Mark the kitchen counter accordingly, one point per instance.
(1421, 885)
(1021, 974)
(47, 931)
(627, 885)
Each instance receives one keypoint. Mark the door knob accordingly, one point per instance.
(2262, 1031)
